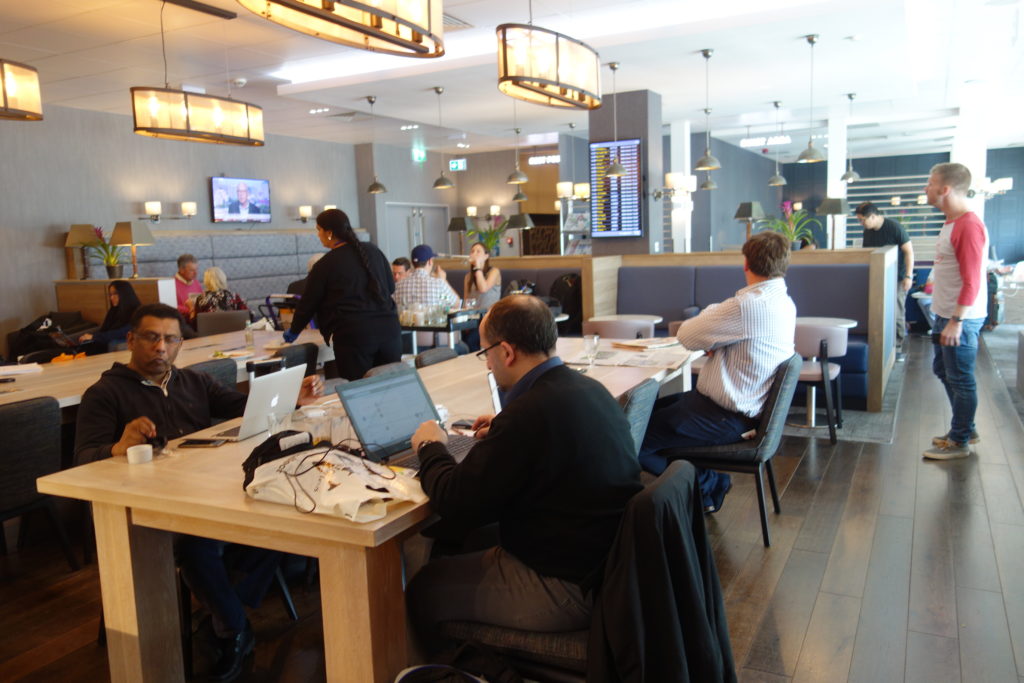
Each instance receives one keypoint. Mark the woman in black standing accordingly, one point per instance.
(349, 291)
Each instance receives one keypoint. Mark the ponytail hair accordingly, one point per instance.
(336, 222)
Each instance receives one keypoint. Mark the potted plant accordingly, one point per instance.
(794, 225)
(108, 253)
(490, 237)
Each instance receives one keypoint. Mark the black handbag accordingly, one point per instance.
(276, 446)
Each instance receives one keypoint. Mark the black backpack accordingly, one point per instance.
(568, 290)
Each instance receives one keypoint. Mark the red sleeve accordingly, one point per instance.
(968, 239)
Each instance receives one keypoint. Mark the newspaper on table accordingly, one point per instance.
(334, 483)
(670, 357)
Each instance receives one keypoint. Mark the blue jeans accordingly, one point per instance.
(954, 366)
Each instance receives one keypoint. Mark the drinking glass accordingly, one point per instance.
(470, 303)
(590, 342)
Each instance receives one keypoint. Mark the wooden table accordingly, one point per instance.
(457, 321)
(199, 492)
(647, 318)
(68, 381)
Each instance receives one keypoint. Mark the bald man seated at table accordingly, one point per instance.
(149, 398)
(554, 470)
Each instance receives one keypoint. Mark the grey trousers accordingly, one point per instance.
(901, 316)
(491, 587)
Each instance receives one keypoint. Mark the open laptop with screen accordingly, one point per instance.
(275, 393)
(385, 411)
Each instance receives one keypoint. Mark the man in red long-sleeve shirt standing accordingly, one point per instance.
(959, 303)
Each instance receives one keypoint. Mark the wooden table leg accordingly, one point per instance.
(363, 613)
(140, 598)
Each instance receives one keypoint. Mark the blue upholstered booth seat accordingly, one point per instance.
(656, 291)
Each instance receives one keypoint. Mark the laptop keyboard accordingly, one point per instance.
(458, 446)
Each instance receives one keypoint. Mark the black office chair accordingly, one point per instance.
(660, 601)
(435, 355)
(223, 370)
(387, 368)
(753, 456)
(217, 322)
(30, 449)
(299, 354)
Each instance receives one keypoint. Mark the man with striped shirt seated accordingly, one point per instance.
(746, 338)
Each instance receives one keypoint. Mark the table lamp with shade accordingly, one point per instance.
(132, 234)
(749, 212)
(833, 206)
(81, 235)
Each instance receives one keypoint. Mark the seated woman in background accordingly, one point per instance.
(482, 283)
(216, 296)
(114, 330)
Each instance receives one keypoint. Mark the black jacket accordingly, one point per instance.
(338, 292)
(193, 399)
(659, 614)
(555, 471)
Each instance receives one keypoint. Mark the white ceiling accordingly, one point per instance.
(912, 64)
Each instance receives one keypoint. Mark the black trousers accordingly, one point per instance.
(376, 342)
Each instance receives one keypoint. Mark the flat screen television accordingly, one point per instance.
(240, 200)
(615, 201)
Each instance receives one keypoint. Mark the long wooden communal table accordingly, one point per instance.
(199, 492)
(68, 381)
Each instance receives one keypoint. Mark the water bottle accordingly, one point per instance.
(250, 341)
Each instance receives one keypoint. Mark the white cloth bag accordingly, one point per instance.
(334, 483)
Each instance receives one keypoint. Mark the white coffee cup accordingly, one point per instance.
(140, 454)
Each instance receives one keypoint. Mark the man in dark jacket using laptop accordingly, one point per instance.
(554, 470)
(150, 398)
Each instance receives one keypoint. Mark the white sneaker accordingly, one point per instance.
(948, 451)
(944, 439)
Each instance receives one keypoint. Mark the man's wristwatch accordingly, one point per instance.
(956, 318)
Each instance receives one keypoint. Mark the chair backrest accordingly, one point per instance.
(30, 449)
(216, 322)
(436, 355)
(224, 370)
(808, 340)
(638, 408)
(300, 354)
(620, 329)
(660, 609)
(40, 356)
(776, 407)
(397, 366)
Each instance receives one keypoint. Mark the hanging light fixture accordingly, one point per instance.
(407, 28)
(519, 196)
(811, 155)
(376, 187)
(615, 169)
(850, 176)
(19, 92)
(180, 115)
(707, 162)
(443, 182)
(546, 67)
(777, 180)
(708, 183)
(517, 177)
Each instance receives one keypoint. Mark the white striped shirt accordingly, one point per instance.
(751, 334)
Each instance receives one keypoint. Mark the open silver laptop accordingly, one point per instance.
(385, 411)
(275, 393)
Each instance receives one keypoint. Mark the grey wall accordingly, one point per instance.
(79, 166)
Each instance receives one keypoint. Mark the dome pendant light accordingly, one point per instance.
(707, 162)
(777, 180)
(850, 176)
(615, 169)
(708, 183)
(811, 155)
(376, 187)
(517, 177)
(443, 182)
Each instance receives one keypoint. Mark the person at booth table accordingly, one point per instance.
(147, 398)
(400, 268)
(117, 322)
(186, 284)
(554, 469)
(216, 295)
(427, 283)
(482, 283)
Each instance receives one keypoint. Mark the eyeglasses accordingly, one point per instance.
(153, 338)
(482, 354)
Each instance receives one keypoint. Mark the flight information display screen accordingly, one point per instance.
(615, 201)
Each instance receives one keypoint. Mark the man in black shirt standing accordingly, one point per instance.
(880, 231)
(554, 470)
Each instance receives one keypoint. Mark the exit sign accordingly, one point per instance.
(456, 165)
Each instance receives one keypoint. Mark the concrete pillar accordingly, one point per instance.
(838, 115)
(682, 201)
(970, 142)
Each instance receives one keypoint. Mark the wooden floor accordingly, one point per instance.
(884, 567)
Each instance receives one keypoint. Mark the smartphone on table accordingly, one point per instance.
(202, 443)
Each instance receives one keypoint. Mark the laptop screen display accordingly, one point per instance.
(386, 410)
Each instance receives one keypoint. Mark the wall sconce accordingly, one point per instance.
(328, 207)
(471, 211)
(676, 182)
(305, 212)
(989, 188)
(798, 206)
(188, 209)
(153, 211)
(495, 211)
(581, 191)
(558, 205)
(895, 201)
(564, 190)
(922, 199)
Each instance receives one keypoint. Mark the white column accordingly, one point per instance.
(970, 143)
(837, 152)
(682, 202)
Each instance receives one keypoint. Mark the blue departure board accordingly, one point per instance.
(615, 201)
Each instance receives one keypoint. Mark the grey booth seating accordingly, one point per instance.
(542, 277)
(839, 290)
